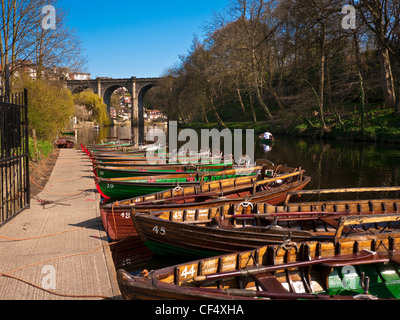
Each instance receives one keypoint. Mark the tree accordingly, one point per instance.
(94, 104)
(50, 107)
(382, 18)
(23, 40)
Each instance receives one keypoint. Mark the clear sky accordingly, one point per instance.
(138, 38)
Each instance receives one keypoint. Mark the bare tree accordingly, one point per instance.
(382, 18)
(23, 39)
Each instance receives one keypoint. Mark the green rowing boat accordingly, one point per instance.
(124, 188)
(109, 172)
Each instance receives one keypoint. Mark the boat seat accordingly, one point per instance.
(333, 223)
(223, 223)
(269, 283)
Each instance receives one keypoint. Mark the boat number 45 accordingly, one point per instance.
(159, 230)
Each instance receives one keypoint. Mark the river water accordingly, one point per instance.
(331, 164)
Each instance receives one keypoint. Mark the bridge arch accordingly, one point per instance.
(107, 95)
(141, 95)
(105, 87)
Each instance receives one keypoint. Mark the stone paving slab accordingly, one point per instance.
(75, 260)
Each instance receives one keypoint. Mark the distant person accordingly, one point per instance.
(267, 136)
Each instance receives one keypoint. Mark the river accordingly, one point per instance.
(331, 164)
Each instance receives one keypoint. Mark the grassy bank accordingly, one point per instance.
(44, 149)
(379, 125)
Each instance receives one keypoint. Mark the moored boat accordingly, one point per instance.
(108, 172)
(350, 270)
(123, 188)
(272, 187)
(211, 232)
(65, 143)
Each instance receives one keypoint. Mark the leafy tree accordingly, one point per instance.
(50, 107)
(94, 104)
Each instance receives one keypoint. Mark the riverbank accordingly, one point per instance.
(380, 125)
(57, 249)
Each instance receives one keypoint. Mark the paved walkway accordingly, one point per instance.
(64, 247)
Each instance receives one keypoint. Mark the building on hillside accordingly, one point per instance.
(153, 115)
(79, 76)
(53, 73)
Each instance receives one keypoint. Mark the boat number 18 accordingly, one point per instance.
(158, 230)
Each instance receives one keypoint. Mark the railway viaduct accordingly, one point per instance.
(105, 87)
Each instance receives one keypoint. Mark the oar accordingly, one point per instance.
(283, 214)
(283, 296)
(257, 270)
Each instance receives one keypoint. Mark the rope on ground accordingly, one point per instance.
(61, 194)
(62, 257)
(53, 292)
(43, 236)
(8, 274)
(53, 179)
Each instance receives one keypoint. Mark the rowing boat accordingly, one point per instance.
(252, 222)
(163, 159)
(134, 153)
(123, 188)
(272, 188)
(205, 233)
(107, 172)
(352, 270)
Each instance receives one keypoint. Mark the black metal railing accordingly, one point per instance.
(14, 156)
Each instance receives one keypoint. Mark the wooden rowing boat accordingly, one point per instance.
(146, 165)
(123, 188)
(109, 172)
(205, 233)
(365, 269)
(161, 159)
(65, 143)
(273, 188)
(123, 152)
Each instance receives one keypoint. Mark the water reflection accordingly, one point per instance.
(337, 164)
(90, 134)
(333, 164)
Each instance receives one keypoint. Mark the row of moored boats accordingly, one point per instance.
(252, 230)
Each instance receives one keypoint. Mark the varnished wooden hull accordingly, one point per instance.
(114, 215)
(301, 271)
(164, 237)
(205, 233)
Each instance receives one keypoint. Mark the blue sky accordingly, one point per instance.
(138, 38)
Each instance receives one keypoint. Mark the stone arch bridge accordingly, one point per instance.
(105, 87)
